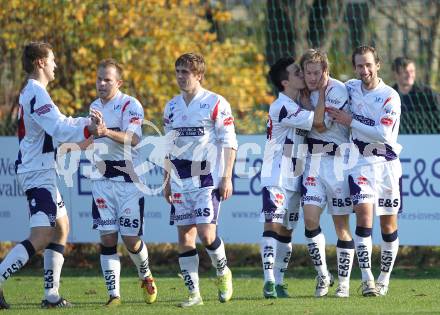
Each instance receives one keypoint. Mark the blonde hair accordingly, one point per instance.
(314, 56)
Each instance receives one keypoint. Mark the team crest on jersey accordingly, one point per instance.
(362, 180)
(279, 199)
(177, 198)
(100, 203)
(310, 181)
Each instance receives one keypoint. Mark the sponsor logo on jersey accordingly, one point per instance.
(364, 120)
(43, 109)
(190, 131)
(117, 106)
(295, 113)
(135, 120)
(333, 101)
(136, 114)
(386, 121)
(228, 121)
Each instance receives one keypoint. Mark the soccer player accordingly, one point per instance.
(375, 182)
(118, 205)
(41, 127)
(287, 126)
(321, 185)
(199, 173)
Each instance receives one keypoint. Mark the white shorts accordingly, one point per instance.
(44, 199)
(321, 187)
(117, 207)
(379, 184)
(280, 206)
(195, 207)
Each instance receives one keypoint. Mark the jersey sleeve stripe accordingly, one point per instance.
(387, 100)
(215, 111)
(125, 106)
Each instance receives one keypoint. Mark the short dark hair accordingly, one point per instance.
(362, 50)
(195, 62)
(32, 52)
(110, 62)
(278, 72)
(401, 63)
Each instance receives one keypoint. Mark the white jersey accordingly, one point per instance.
(376, 120)
(336, 96)
(287, 127)
(202, 129)
(41, 127)
(122, 113)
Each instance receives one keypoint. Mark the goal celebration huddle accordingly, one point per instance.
(315, 127)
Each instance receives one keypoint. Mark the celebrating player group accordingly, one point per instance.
(315, 127)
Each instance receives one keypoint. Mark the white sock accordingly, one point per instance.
(140, 259)
(218, 256)
(316, 248)
(111, 270)
(345, 257)
(282, 258)
(53, 263)
(364, 247)
(268, 250)
(14, 261)
(388, 257)
(189, 266)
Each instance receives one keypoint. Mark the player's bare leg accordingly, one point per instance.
(138, 252)
(345, 254)
(316, 248)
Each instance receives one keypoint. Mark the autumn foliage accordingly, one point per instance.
(146, 36)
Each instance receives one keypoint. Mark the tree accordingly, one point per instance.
(146, 36)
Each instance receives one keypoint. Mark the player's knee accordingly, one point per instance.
(207, 239)
(132, 243)
(109, 240)
(62, 228)
(311, 223)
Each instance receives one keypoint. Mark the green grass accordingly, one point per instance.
(411, 292)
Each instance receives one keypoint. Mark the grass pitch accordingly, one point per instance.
(411, 292)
